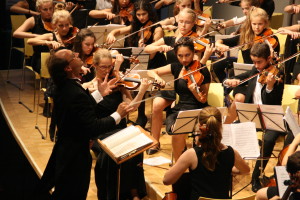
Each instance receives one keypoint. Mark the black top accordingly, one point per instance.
(234, 41)
(212, 184)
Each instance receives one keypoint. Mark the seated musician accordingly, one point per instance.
(291, 47)
(192, 95)
(255, 27)
(120, 13)
(210, 163)
(186, 21)
(258, 91)
(132, 173)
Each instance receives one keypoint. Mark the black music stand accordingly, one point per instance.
(266, 117)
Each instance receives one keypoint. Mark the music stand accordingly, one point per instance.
(142, 56)
(265, 117)
(240, 68)
(102, 31)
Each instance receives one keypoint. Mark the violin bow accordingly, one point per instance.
(262, 38)
(218, 2)
(126, 36)
(279, 63)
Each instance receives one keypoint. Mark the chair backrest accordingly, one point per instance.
(215, 95)
(44, 69)
(277, 20)
(288, 95)
(17, 21)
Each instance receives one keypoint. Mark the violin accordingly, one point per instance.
(48, 26)
(69, 38)
(146, 33)
(264, 74)
(195, 77)
(265, 36)
(130, 81)
(127, 13)
(199, 44)
(170, 196)
(131, 59)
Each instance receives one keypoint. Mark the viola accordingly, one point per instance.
(170, 196)
(265, 36)
(271, 69)
(127, 12)
(195, 77)
(146, 33)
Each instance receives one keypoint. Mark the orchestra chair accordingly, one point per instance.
(251, 197)
(277, 20)
(215, 96)
(16, 22)
(43, 75)
(282, 40)
(287, 97)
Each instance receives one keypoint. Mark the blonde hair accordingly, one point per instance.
(251, 2)
(176, 9)
(40, 2)
(247, 34)
(211, 136)
(61, 14)
(190, 12)
(99, 55)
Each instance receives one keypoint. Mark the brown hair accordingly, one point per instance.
(211, 119)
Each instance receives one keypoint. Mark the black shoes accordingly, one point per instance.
(142, 121)
(256, 185)
(153, 150)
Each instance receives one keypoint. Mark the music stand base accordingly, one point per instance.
(38, 128)
(20, 102)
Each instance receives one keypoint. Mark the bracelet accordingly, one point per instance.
(29, 11)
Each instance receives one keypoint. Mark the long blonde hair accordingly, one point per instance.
(247, 34)
(211, 135)
(61, 14)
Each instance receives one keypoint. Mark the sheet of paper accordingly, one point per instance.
(156, 161)
(281, 176)
(227, 135)
(290, 119)
(273, 117)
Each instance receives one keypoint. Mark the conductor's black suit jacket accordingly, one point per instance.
(68, 169)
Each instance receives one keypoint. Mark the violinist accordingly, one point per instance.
(132, 173)
(271, 192)
(120, 13)
(192, 95)
(292, 9)
(35, 26)
(186, 22)
(210, 163)
(268, 91)
(143, 16)
(27, 7)
(171, 23)
(245, 5)
(84, 44)
(63, 35)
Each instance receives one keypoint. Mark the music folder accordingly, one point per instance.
(127, 143)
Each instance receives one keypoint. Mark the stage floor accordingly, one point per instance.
(38, 150)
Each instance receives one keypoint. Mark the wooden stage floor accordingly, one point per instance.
(38, 150)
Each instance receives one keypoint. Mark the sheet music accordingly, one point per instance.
(242, 137)
(247, 112)
(281, 176)
(290, 119)
(273, 117)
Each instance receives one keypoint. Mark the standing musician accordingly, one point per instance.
(120, 13)
(143, 16)
(69, 166)
(263, 89)
(255, 27)
(192, 94)
(63, 34)
(186, 22)
(210, 163)
(171, 23)
(132, 173)
(35, 26)
(270, 192)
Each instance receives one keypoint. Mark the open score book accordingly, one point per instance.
(127, 143)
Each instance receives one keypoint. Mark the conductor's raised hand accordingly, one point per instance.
(105, 87)
(124, 109)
